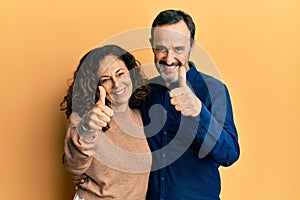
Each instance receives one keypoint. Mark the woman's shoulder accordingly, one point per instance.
(135, 115)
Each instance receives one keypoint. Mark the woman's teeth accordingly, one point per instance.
(120, 92)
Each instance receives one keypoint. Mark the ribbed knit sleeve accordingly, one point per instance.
(77, 157)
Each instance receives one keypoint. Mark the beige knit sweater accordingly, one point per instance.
(117, 162)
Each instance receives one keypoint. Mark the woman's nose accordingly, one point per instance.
(116, 82)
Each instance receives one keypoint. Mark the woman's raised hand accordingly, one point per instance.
(99, 116)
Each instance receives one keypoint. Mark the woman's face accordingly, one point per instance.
(115, 78)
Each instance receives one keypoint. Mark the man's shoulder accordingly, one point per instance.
(156, 81)
(206, 79)
(156, 84)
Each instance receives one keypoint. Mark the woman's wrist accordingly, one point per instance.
(86, 134)
(84, 126)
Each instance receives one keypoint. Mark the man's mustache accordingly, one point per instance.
(162, 62)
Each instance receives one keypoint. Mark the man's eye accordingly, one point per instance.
(160, 49)
(120, 74)
(178, 49)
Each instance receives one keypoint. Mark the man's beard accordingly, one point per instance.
(161, 65)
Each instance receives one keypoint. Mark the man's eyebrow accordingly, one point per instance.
(160, 46)
(179, 46)
(118, 70)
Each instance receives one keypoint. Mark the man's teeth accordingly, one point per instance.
(171, 67)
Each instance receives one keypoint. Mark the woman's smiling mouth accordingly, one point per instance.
(119, 92)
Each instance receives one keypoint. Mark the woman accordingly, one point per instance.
(105, 139)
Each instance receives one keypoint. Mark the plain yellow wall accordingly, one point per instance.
(255, 44)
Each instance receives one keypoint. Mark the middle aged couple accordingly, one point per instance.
(129, 138)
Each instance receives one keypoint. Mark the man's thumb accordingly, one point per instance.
(182, 76)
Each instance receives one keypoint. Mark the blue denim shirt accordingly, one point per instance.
(187, 151)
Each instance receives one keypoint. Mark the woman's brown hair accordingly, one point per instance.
(82, 93)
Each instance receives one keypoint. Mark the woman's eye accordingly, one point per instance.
(103, 81)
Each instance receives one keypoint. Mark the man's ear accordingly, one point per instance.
(192, 47)
(151, 43)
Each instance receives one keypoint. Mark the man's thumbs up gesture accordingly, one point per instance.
(99, 115)
(183, 98)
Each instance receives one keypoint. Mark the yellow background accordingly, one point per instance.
(255, 44)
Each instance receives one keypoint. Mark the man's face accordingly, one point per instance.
(171, 47)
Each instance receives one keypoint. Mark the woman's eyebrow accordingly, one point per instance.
(104, 76)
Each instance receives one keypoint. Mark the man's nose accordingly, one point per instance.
(170, 57)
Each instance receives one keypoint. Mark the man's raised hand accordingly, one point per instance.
(183, 98)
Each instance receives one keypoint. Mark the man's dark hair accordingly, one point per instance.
(172, 17)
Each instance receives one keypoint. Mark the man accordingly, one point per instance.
(197, 132)
(188, 118)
